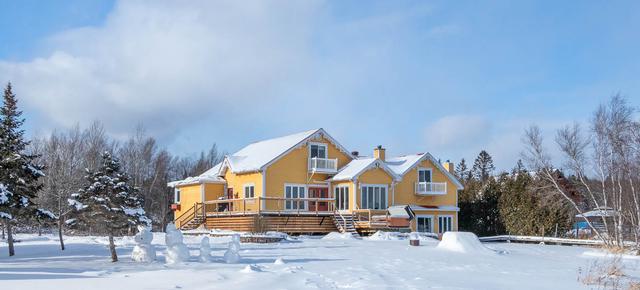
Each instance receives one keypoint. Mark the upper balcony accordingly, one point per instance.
(431, 188)
(323, 165)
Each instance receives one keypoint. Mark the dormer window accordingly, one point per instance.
(318, 150)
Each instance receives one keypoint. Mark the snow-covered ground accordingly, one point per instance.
(385, 262)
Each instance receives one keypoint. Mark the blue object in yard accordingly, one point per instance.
(581, 225)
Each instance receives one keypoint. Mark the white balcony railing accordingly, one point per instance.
(431, 188)
(323, 164)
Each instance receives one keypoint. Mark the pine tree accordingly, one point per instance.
(18, 172)
(462, 171)
(483, 166)
(108, 200)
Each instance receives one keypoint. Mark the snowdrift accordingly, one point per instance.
(462, 242)
(338, 236)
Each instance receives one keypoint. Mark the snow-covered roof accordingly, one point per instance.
(256, 156)
(357, 166)
(402, 164)
(210, 176)
(599, 212)
(415, 207)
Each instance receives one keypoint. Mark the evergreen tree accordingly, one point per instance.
(108, 200)
(519, 168)
(483, 166)
(462, 171)
(18, 172)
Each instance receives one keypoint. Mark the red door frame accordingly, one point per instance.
(318, 192)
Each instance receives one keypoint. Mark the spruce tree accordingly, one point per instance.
(462, 171)
(18, 172)
(108, 200)
(483, 166)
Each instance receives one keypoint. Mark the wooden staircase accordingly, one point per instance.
(192, 218)
(345, 223)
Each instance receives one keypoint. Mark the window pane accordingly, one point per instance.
(314, 151)
(363, 198)
(383, 197)
(427, 175)
(376, 197)
(346, 198)
(421, 177)
(322, 152)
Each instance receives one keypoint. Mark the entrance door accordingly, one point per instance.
(318, 192)
(230, 196)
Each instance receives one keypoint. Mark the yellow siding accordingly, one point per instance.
(435, 214)
(374, 176)
(189, 195)
(405, 189)
(352, 196)
(293, 169)
(238, 181)
(213, 191)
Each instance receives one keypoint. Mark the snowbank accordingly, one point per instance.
(338, 236)
(462, 242)
(386, 236)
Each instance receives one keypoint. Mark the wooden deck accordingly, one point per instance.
(292, 216)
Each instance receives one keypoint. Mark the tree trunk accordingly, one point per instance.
(3, 231)
(60, 233)
(7, 224)
(112, 248)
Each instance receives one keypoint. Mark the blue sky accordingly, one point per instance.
(414, 76)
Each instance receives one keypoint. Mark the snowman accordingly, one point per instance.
(177, 251)
(232, 256)
(143, 251)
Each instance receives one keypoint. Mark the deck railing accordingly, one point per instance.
(323, 164)
(431, 188)
(269, 204)
(195, 211)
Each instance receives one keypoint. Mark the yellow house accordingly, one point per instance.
(309, 183)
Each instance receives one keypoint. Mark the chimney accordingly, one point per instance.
(378, 152)
(449, 166)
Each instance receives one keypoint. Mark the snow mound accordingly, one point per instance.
(385, 236)
(279, 261)
(251, 269)
(338, 236)
(462, 242)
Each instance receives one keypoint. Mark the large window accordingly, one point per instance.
(424, 175)
(445, 224)
(373, 197)
(424, 224)
(342, 197)
(293, 192)
(249, 191)
(318, 150)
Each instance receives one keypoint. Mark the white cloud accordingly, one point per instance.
(457, 132)
(166, 63)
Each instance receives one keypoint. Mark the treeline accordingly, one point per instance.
(516, 202)
(66, 156)
(598, 172)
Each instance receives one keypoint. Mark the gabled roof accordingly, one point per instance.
(401, 165)
(356, 167)
(210, 176)
(257, 156)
